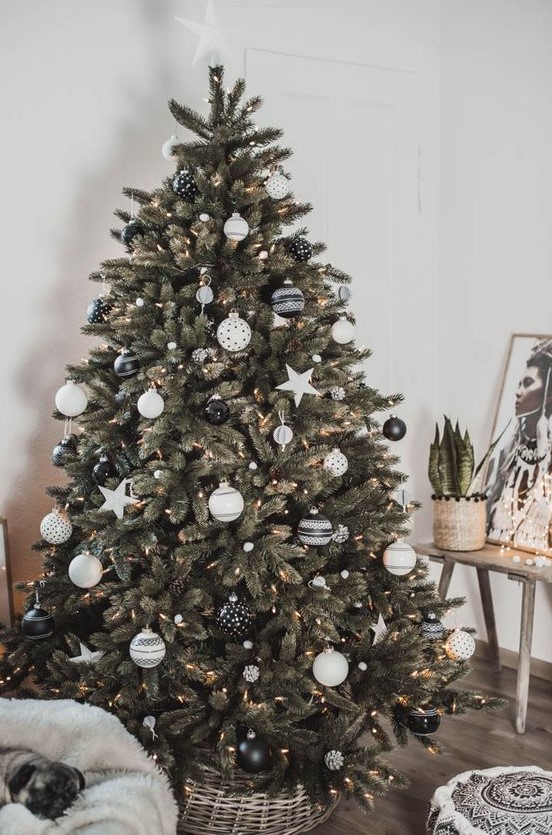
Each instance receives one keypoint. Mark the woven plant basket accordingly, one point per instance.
(214, 807)
(459, 524)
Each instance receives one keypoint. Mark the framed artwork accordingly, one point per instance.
(6, 600)
(519, 472)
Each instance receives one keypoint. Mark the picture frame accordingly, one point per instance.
(518, 476)
(6, 596)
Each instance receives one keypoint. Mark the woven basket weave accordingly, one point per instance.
(213, 807)
(459, 524)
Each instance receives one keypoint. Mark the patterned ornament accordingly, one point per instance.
(233, 618)
(423, 720)
(85, 570)
(225, 503)
(394, 428)
(399, 558)
(37, 623)
(217, 411)
(126, 364)
(315, 529)
(432, 629)
(334, 760)
(56, 527)
(337, 393)
(460, 645)
(336, 463)
(251, 673)
(129, 232)
(288, 301)
(341, 534)
(200, 354)
(234, 333)
(301, 249)
(168, 148)
(147, 649)
(277, 186)
(64, 450)
(71, 399)
(236, 227)
(254, 754)
(330, 667)
(185, 186)
(103, 470)
(97, 311)
(343, 331)
(151, 404)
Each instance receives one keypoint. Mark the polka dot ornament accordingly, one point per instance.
(185, 186)
(233, 333)
(233, 618)
(301, 249)
(460, 645)
(56, 527)
(277, 186)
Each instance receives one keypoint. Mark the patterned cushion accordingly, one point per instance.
(496, 801)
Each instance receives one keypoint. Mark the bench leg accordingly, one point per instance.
(445, 578)
(488, 614)
(524, 664)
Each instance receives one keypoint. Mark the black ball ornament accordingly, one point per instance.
(423, 721)
(185, 186)
(254, 754)
(301, 249)
(315, 529)
(288, 301)
(37, 623)
(126, 364)
(432, 629)
(63, 451)
(217, 411)
(103, 470)
(233, 618)
(97, 311)
(129, 232)
(394, 428)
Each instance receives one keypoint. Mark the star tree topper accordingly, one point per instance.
(211, 38)
(299, 384)
(116, 500)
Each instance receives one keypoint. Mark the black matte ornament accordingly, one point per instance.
(217, 410)
(63, 451)
(103, 470)
(129, 232)
(37, 623)
(233, 618)
(185, 186)
(126, 364)
(254, 754)
(97, 311)
(301, 249)
(394, 428)
(423, 721)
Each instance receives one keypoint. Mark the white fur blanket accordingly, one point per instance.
(125, 794)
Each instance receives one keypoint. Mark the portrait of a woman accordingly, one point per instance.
(518, 478)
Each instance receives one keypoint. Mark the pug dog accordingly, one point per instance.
(46, 787)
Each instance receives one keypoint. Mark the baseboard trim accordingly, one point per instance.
(509, 658)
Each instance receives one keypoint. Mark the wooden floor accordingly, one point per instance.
(476, 740)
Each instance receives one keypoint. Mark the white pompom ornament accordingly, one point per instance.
(236, 227)
(277, 186)
(151, 404)
(147, 649)
(85, 570)
(234, 333)
(460, 645)
(399, 558)
(343, 331)
(71, 399)
(336, 463)
(225, 503)
(168, 148)
(330, 667)
(56, 528)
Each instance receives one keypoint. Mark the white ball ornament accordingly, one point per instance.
(283, 435)
(85, 570)
(399, 558)
(71, 399)
(56, 528)
(139, 302)
(336, 463)
(204, 294)
(151, 404)
(343, 331)
(277, 186)
(225, 503)
(234, 333)
(204, 217)
(236, 227)
(168, 148)
(248, 546)
(460, 645)
(330, 667)
(147, 649)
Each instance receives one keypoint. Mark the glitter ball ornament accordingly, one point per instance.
(423, 720)
(399, 558)
(460, 645)
(394, 428)
(330, 667)
(103, 470)
(234, 333)
(253, 754)
(151, 404)
(236, 227)
(185, 186)
(251, 673)
(56, 527)
(71, 399)
(337, 393)
(334, 760)
(225, 503)
(343, 331)
(126, 364)
(315, 528)
(97, 311)
(37, 623)
(85, 570)
(64, 450)
(431, 628)
(217, 411)
(277, 186)
(287, 301)
(301, 249)
(233, 618)
(147, 649)
(129, 232)
(168, 148)
(336, 463)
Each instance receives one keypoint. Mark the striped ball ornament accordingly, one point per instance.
(432, 629)
(315, 529)
(288, 301)
(225, 503)
(399, 558)
(56, 527)
(147, 649)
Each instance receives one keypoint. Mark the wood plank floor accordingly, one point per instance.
(476, 740)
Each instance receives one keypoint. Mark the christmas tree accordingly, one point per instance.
(227, 538)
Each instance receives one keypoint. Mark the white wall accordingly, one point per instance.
(83, 89)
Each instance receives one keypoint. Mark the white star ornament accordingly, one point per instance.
(87, 656)
(116, 500)
(212, 44)
(299, 384)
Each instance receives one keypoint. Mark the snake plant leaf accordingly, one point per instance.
(448, 463)
(465, 462)
(477, 482)
(433, 465)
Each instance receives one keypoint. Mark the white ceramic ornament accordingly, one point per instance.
(225, 503)
(460, 645)
(343, 331)
(234, 333)
(71, 399)
(399, 558)
(335, 462)
(330, 668)
(85, 570)
(151, 404)
(147, 649)
(277, 186)
(168, 148)
(236, 227)
(56, 528)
